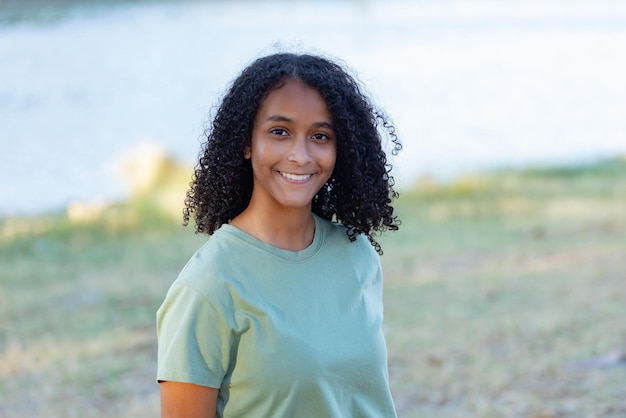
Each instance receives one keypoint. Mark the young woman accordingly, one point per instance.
(279, 314)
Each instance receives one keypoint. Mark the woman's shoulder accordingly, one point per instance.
(208, 266)
(336, 236)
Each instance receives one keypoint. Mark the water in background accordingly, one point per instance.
(469, 84)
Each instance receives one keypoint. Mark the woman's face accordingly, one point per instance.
(293, 147)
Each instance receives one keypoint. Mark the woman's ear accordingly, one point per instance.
(247, 153)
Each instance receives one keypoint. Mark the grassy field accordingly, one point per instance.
(505, 297)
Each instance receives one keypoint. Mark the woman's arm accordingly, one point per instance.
(186, 400)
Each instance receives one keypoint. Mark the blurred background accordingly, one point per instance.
(470, 84)
(505, 289)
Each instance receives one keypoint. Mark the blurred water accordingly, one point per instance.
(470, 84)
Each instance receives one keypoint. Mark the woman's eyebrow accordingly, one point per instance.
(281, 118)
(324, 125)
(278, 118)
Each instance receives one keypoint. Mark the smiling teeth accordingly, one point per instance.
(295, 177)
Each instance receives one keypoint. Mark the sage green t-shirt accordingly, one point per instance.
(280, 333)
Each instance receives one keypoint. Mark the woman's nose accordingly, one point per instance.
(299, 151)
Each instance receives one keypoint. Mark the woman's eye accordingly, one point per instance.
(278, 131)
(321, 137)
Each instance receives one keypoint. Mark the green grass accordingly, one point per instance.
(499, 286)
(502, 293)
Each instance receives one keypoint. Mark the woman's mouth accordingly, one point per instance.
(295, 177)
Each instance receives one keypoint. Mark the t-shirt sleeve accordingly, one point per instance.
(194, 340)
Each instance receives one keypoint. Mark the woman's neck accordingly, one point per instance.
(288, 229)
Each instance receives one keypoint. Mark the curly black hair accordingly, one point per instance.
(360, 190)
